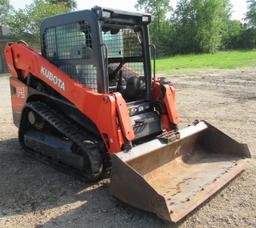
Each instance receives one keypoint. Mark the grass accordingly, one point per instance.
(220, 60)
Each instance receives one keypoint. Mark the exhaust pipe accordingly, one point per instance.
(171, 176)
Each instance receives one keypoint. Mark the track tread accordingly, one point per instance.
(70, 130)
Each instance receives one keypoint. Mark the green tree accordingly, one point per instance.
(25, 24)
(5, 8)
(160, 28)
(251, 13)
(157, 8)
(71, 4)
(231, 37)
(212, 17)
(200, 24)
(184, 20)
(248, 38)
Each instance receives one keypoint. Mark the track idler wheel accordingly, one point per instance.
(93, 164)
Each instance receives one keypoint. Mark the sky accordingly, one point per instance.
(239, 6)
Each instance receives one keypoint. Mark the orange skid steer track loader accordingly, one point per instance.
(91, 104)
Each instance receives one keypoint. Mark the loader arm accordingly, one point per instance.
(22, 58)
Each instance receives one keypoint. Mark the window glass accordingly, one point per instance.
(72, 42)
(122, 43)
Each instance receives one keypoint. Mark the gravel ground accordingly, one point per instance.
(34, 195)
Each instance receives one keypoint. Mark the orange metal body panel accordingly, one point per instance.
(167, 101)
(9, 60)
(19, 94)
(125, 120)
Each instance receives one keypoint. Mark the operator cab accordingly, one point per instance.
(107, 51)
(104, 49)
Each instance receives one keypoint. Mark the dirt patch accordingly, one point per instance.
(34, 195)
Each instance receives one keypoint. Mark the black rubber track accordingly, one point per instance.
(76, 134)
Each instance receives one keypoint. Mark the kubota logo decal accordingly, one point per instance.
(53, 78)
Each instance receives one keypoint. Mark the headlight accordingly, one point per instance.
(145, 19)
(106, 14)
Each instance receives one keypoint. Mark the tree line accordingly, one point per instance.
(199, 26)
(24, 23)
(194, 26)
